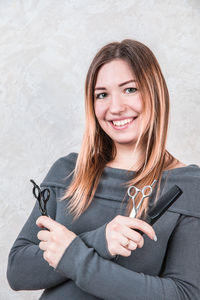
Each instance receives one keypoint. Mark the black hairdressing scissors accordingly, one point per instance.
(41, 196)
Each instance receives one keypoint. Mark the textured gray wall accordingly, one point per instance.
(46, 48)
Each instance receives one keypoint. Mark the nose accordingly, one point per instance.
(116, 104)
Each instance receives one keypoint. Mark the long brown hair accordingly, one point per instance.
(98, 148)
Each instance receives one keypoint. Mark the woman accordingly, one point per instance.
(91, 241)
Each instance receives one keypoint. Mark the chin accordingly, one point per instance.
(125, 142)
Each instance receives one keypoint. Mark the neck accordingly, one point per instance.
(127, 158)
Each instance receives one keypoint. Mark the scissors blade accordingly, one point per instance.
(133, 213)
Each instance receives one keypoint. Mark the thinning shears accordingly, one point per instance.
(133, 192)
(42, 196)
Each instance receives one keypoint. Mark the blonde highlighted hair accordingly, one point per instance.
(98, 148)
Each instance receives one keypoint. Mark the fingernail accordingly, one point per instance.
(155, 238)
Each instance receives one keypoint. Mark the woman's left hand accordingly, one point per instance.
(54, 241)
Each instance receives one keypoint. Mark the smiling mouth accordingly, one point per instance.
(121, 123)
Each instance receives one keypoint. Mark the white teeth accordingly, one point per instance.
(122, 122)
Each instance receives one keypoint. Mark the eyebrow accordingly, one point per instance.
(121, 84)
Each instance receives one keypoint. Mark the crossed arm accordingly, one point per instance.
(27, 269)
(87, 262)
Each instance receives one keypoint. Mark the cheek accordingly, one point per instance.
(99, 110)
(139, 105)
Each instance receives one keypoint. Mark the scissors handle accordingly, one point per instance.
(146, 191)
(42, 197)
(136, 191)
(45, 198)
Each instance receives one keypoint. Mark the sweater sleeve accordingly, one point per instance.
(27, 270)
(178, 280)
(97, 239)
(25, 254)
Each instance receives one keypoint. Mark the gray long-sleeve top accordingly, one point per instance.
(167, 269)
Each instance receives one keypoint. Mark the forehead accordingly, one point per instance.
(117, 70)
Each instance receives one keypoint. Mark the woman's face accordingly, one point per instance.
(118, 103)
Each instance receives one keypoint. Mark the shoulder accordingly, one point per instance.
(188, 179)
(61, 171)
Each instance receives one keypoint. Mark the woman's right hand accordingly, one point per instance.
(121, 230)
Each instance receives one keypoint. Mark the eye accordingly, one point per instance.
(131, 90)
(100, 96)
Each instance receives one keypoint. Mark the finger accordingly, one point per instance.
(133, 235)
(124, 241)
(43, 246)
(124, 251)
(128, 244)
(144, 227)
(46, 222)
(43, 235)
(131, 245)
(141, 225)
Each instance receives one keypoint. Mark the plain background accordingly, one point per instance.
(45, 50)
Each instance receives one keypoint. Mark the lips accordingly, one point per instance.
(123, 123)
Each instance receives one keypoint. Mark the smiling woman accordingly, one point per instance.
(99, 239)
(118, 109)
(139, 145)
